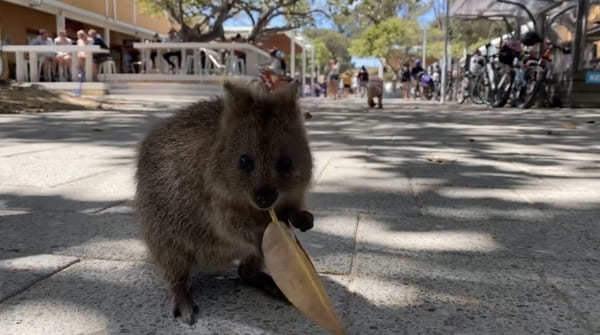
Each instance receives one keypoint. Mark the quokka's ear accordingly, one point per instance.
(237, 99)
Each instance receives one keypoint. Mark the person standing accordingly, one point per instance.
(333, 70)
(347, 82)
(47, 59)
(95, 39)
(82, 40)
(363, 80)
(63, 58)
(173, 38)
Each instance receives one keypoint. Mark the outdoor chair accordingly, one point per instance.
(108, 67)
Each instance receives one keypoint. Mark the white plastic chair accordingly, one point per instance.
(108, 67)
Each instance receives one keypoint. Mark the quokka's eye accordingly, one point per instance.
(284, 165)
(246, 163)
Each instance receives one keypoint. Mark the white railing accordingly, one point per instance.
(34, 50)
(254, 55)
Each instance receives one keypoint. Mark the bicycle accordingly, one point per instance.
(539, 72)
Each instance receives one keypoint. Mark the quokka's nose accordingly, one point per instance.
(265, 197)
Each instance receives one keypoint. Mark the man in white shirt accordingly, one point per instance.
(63, 58)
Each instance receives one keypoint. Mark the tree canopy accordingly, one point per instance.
(337, 44)
(202, 20)
(351, 17)
(387, 41)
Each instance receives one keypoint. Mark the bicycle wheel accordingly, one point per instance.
(462, 89)
(478, 91)
(535, 80)
(502, 91)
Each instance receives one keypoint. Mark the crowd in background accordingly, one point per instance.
(50, 61)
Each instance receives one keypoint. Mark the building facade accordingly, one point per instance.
(119, 22)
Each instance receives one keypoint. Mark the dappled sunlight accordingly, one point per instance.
(389, 293)
(53, 316)
(438, 241)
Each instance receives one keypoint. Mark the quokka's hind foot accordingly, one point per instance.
(251, 273)
(183, 304)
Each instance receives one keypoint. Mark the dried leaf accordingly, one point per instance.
(290, 266)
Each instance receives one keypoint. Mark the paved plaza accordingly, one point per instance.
(429, 219)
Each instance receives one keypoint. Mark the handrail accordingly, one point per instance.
(200, 45)
(53, 48)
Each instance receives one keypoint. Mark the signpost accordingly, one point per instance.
(592, 77)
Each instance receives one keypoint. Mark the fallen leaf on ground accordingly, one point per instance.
(292, 270)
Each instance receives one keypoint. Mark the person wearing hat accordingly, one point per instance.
(173, 38)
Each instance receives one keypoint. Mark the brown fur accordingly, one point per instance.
(198, 208)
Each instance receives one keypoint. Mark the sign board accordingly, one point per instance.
(592, 77)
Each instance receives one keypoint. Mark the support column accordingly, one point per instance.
(424, 49)
(445, 68)
(312, 68)
(303, 67)
(107, 36)
(293, 58)
(60, 22)
(580, 31)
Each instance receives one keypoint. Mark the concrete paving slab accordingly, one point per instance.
(87, 195)
(331, 242)
(104, 236)
(19, 272)
(466, 295)
(126, 297)
(547, 240)
(578, 285)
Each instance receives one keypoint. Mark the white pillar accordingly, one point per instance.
(293, 58)
(115, 10)
(107, 36)
(445, 68)
(60, 22)
(134, 12)
(303, 66)
(312, 68)
(424, 48)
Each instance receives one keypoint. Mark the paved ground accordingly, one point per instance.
(429, 220)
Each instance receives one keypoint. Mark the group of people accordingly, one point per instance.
(62, 60)
(371, 86)
(417, 80)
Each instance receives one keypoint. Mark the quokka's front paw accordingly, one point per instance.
(185, 309)
(302, 220)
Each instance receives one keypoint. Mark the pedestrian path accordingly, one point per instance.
(429, 219)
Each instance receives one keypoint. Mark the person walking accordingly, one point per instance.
(405, 81)
(363, 80)
(416, 73)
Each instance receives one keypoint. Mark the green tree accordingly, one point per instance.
(202, 20)
(387, 41)
(322, 53)
(351, 17)
(336, 43)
